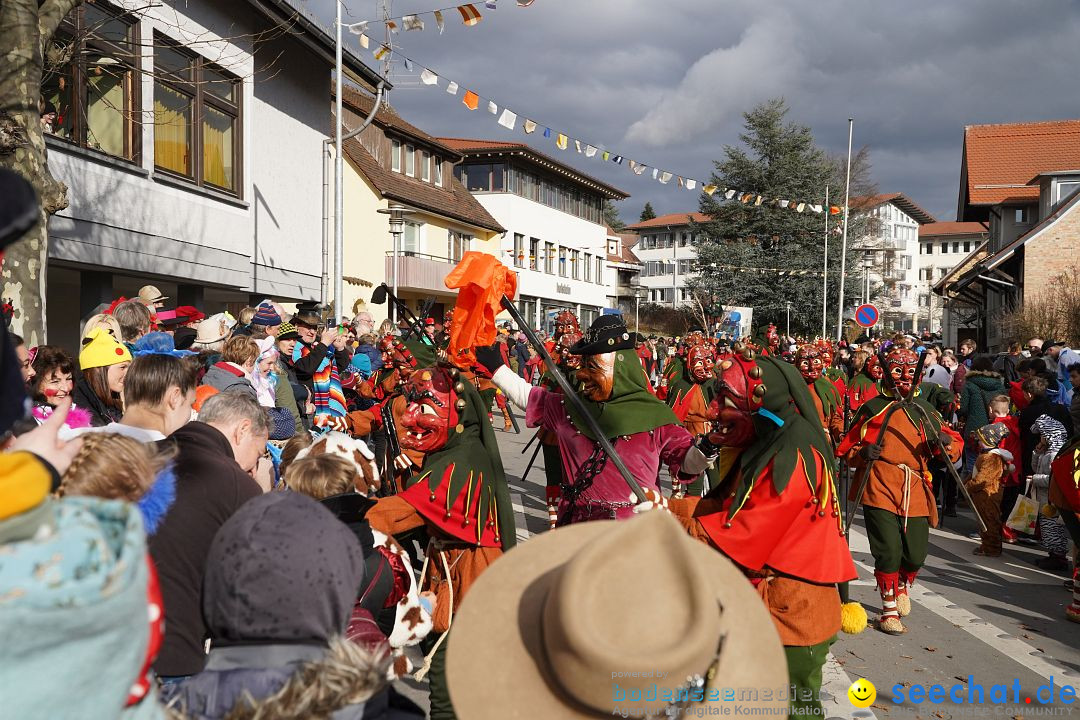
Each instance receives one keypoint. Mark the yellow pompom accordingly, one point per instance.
(852, 618)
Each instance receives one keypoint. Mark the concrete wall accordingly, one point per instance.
(128, 219)
(535, 220)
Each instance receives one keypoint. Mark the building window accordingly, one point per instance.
(600, 270)
(562, 262)
(410, 161)
(425, 166)
(944, 248)
(1022, 215)
(196, 118)
(457, 244)
(438, 171)
(96, 95)
(485, 177)
(549, 258)
(575, 264)
(410, 239)
(967, 246)
(956, 247)
(395, 155)
(588, 267)
(519, 250)
(534, 254)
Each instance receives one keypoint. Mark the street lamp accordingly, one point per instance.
(397, 215)
(868, 265)
(638, 294)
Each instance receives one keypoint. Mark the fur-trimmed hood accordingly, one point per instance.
(283, 682)
(972, 374)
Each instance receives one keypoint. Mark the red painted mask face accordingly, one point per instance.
(772, 337)
(738, 397)
(901, 364)
(700, 361)
(566, 322)
(565, 359)
(597, 376)
(448, 320)
(430, 412)
(826, 357)
(873, 368)
(808, 361)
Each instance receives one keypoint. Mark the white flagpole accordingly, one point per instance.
(339, 195)
(825, 274)
(843, 246)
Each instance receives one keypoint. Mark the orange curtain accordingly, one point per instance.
(172, 118)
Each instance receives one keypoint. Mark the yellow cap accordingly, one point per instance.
(101, 349)
(24, 484)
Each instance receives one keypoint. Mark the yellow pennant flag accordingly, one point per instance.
(560, 141)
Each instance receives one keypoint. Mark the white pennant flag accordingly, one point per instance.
(439, 21)
(590, 151)
(412, 22)
(665, 178)
(492, 107)
(816, 208)
(365, 42)
(358, 28)
(640, 169)
(428, 78)
(408, 64)
(508, 119)
(452, 88)
(729, 194)
(577, 145)
(655, 173)
(691, 184)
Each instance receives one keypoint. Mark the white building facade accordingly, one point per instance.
(555, 236)
(942, 246)
(192, 152)
(890, 258)
(666, 251)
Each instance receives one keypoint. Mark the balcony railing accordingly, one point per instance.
(419, 271)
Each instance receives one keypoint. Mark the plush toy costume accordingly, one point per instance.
(776, 512)
(898, 504)
(458, 494)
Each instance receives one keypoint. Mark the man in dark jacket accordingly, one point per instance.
(214, 457)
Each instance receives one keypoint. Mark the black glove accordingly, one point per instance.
(871, 452)
(490, 358)
(707, 448)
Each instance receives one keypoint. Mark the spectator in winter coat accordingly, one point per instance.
(1006, 363)
(966, 353)
(981, 384)
(1064, 357)
(1074, 406)
(233, 371)
(104, 362)
(367, 347)
(277, 646)
(934, 372)
(286, 340)
(214, 458)
(1038, 404)
(521, 352)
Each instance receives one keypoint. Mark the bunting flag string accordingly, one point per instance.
(470, 16)
(509, 119)
(783, 272)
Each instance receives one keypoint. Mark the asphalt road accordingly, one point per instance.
(976, 622)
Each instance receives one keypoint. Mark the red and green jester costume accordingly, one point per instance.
(689, 396)
(776, 512)
(898, 504)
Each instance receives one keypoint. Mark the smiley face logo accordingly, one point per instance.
(862, 693)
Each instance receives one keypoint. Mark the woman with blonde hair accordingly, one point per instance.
(117, 467)
(105, 322)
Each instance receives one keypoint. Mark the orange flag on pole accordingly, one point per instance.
(481, 281)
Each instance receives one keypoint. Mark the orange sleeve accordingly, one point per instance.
(393, 516)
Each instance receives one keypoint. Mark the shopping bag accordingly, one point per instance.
(1024, 515)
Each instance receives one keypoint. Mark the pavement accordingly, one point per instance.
(976, 623)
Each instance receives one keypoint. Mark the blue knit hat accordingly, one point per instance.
(266, 315)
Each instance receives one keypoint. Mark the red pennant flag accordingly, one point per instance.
(481, 281)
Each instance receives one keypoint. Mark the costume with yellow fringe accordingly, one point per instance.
(776, 513)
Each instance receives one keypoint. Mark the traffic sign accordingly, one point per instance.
(866, 315)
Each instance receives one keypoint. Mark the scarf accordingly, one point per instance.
(631, 407)
(327, 395)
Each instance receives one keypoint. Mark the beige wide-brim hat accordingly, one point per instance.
(579, 621)
(149, 295)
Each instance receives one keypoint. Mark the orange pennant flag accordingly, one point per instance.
(481, 281)
(469, 14)
(833, 210)
(471, 100)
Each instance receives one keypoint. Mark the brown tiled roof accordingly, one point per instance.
(952, 228)
(387, 117)
(452, 200)
(1000, 160)
(470, 146)
(670, 219)
(900, 200)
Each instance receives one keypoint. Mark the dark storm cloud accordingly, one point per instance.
(667, 83)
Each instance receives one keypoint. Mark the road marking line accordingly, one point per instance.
(519, 517)
(834, 687)
(1028, 568)
(1005, 643)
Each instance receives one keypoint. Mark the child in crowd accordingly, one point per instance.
(993, 466)
(115, 467)
(999, 407)
(1052, 535)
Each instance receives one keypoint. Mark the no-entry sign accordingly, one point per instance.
(866, 316)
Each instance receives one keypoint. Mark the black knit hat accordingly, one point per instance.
(608, 333)
(307, 313)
